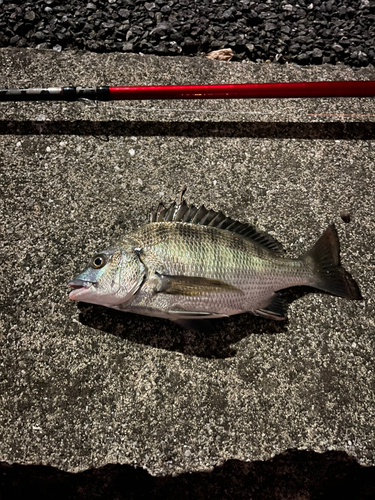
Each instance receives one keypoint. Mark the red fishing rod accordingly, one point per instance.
(238, 91)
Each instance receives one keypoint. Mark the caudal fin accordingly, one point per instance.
(329, 275)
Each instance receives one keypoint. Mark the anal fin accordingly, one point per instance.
(276, 309)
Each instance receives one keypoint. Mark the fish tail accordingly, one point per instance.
(329, 275)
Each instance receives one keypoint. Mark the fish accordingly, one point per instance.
(190, 264)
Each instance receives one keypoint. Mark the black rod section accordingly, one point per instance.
(56, 94)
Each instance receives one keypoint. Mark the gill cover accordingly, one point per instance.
(114, 282)
(132, 275)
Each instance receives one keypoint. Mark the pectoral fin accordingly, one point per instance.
(193, 285)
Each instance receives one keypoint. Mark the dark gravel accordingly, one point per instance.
(303, 31)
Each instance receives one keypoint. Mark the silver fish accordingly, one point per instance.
(191, 263)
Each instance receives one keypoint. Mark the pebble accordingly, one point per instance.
(29, 16)
(345, 216)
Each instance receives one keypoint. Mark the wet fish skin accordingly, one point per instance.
(207, 266)
(182, 249)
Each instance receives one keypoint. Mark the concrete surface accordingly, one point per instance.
(85, 386)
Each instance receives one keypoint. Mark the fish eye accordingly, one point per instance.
(98, 261)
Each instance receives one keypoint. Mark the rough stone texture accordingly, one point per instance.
(280, 31)
(85, 386)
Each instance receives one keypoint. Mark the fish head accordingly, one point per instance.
(112, 277)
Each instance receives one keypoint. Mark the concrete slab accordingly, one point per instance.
(85, 386)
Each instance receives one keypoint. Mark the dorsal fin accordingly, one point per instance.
(203, 217)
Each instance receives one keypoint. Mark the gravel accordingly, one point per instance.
(304, 32)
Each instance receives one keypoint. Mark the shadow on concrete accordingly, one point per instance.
(265, 130)
(163, 334)
(302, 475)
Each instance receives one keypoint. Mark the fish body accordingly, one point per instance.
(189, 263)
(195, 251)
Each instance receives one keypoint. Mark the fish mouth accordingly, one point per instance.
(77, 283)
(79, 288)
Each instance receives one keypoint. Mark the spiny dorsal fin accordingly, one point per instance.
(203, 217)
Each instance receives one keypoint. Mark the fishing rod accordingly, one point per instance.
(237, 91)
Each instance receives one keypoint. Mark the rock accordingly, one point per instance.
(189, 44)
(161, 48)
(302, 59)
(326, 33)
(43, 46)
(93, 45)
(14, 40)
(250, 48)
(29, 15)
(337, 48)
(150, 6)
(294, 48)
(108, 24)
(174, 48)
(285, 29)
(362, 57)
(221, 55)
(329, 4)
(270, 27)
(261, 7)
(253, 18)
(127, 47)
(162, 29)
(345, 216)
(228, 14)
(364, 4)
(124, 13)
(22, 42)
(216, 44)
(317, 55)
